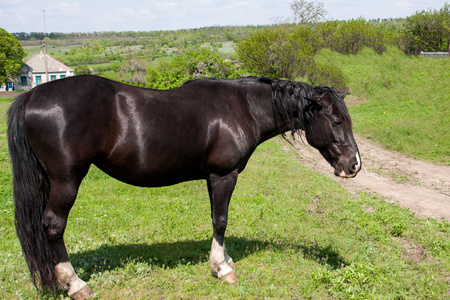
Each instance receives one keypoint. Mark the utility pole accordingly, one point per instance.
(45, 49)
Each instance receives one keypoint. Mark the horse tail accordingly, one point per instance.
(31, 188)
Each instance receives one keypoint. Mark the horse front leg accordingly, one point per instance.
(220, 189)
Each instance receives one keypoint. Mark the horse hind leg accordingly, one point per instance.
(61, 199)
(220, 190)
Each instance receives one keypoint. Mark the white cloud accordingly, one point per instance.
(237, 4)
(67, 5)
(62, 8)
(402, 4)
(127, 11)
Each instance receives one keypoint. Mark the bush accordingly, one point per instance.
(82, 70)
(428, 30)
(189, 65)
(284, 51)
(320, 74)
(255, 52)
(350, 37)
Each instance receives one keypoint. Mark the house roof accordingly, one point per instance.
(37, 64)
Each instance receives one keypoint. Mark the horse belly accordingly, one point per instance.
(153, 169)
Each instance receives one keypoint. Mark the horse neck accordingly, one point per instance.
(270, 122)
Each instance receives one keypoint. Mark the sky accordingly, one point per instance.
(149, 15)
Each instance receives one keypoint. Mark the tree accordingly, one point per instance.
(307, 12)
(11, 56)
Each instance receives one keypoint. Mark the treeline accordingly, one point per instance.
(213, 33)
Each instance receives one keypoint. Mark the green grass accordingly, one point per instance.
(228, 48)
(409, 107)
(32, 50)
(57, 50)
(4, 105)
(293, 232)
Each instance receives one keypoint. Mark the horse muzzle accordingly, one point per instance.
(351, 171)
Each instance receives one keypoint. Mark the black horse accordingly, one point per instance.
(205, 129)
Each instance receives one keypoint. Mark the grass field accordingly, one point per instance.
(294, 233)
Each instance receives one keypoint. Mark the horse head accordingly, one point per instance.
(328, 128)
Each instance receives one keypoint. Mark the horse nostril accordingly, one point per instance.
(356, 167)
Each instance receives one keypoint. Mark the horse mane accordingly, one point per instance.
(289, 96)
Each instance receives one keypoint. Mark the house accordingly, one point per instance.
(34, 73)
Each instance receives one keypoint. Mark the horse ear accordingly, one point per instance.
(318, 100)
(343, 92)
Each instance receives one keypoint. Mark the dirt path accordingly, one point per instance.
(9, 94)
(422, 187)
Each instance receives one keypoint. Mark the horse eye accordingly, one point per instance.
(336, 122)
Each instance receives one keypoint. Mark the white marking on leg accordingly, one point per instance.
(67, 278)
(217, 260)
(228, 259)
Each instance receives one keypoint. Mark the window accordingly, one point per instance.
(38, 80)
(52, 77)
(23, 80)
(62, 76)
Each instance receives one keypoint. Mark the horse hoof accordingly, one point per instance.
(84, 293)
(230, 277)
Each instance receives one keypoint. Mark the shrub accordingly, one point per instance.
(428, 30)
(254, 52)
(296, 51)
(82, 70)
(320, 74)
(284, 51)
(350, 37)
(189, 65)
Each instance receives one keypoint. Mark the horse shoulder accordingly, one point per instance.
(234, 137)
